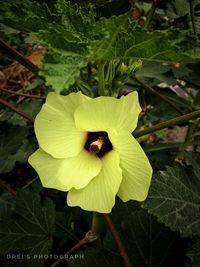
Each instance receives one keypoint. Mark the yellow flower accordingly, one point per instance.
(86, 148)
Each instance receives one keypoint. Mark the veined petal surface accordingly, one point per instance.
(99, 194)
(136, 169)
(63, 174)
(55, 128)
(104, 113)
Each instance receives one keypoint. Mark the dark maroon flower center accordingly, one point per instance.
(98, 143)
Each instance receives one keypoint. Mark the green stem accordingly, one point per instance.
(96, 223)
(150, 16)
(101, 79)
(169, 123)
(19, 57)
(89, 73)
(192, 18)
(187, 141)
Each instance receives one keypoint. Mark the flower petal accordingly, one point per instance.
(55, 128)
(104, 113)
(99, 194)
(63, 174)
(136, 169)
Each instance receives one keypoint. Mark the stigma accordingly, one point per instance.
(96, 146)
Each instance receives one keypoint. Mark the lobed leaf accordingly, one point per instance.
(174, 197)
(6, 200)
(194, 253)
(74, 39)
(28, 228)
(12, 145)
(25, 15)
(143, 247)
(120, 38)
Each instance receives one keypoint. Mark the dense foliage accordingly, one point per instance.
(102, 47)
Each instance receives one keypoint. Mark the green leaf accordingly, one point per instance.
(158, 71)
(119, 38)
(25, 15)
(65, 32)
(62, 70)
(30, 106)
(142, 237)
(174, 197)
(74, 39)
(182, 7)
(6, 200)
(12, 138)
(76, 18)
(67, 44)
(29, 228)
(194, 253)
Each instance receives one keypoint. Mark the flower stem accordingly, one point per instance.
(96, 224)
(168, 123)
(101, 79)
(117, 240)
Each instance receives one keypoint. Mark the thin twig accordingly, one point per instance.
(150, 89)
(75, 238)
(30, 182)
(80, 244)
(168, 123)
(89, 237)
(7, 187)
(117, 240)
(150, 15)
(22, 94)
(19, 57)
(17, 110)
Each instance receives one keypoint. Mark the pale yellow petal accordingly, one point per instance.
(99, 194)
(105, 113)
(63, 174)
(136, 169)
(55, 128)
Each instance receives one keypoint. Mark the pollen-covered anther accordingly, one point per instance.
(95, 146)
